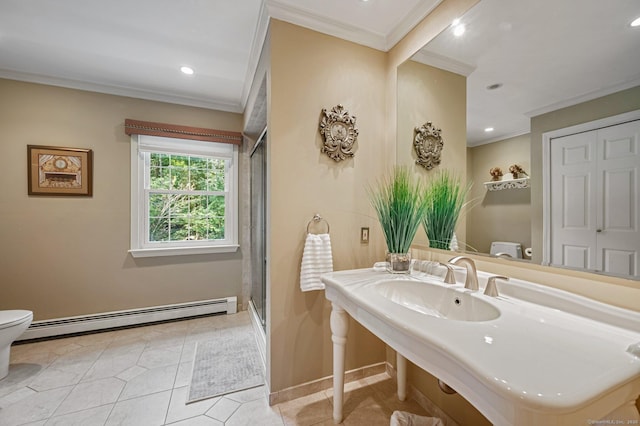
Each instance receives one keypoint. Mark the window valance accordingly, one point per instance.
(137, 127)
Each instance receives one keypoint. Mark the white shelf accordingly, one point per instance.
(499, 185)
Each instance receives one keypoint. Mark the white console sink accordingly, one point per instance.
(534, 355)
(448, 303)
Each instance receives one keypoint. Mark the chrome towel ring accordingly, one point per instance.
(316, 219)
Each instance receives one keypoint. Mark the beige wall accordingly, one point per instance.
(311, 71)
(65, 256)
(427, 94)
(614, 104)
(498, 215)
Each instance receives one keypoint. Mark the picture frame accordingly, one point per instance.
(54, 170)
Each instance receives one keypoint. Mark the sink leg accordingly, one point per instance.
(339, 328)
(401, 374)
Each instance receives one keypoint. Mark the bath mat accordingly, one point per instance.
(225, 365)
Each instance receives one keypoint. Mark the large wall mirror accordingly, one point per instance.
(504, 83)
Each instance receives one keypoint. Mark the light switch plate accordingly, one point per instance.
(364, 235)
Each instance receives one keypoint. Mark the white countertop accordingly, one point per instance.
(537, 358)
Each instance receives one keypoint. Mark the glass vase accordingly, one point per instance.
(398, 263)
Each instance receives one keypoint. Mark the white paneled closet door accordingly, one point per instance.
(618, 233)
(573, 192)
(594, 200)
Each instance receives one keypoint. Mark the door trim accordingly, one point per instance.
(547, 137)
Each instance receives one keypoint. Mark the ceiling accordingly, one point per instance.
(136, 47)
(546, 54)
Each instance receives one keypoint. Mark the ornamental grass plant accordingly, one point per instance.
(444, 198)
(399, 203)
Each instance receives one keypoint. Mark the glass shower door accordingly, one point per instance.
(258, 229)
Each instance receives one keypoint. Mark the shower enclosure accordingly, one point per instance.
(259, 228)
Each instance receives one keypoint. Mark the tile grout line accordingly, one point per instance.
(76, 384)
(175, 378)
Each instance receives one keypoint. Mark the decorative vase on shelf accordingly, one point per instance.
(517, 171)
(496, 174)
(399, 203)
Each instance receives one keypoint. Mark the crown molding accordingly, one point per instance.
(304, 18)
(413, 18)
(442, 62)
(375, 40)
(505, 136)
(268, 9)
(257, 45)
(584, 98)
(120, 91)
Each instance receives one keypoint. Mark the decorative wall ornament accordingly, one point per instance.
(428, 145)
(339, 131)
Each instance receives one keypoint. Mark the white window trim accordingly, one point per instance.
(138, 249)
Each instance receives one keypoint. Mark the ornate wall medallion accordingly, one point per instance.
(428, 144)
(339, 131)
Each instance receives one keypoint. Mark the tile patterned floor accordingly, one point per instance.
(140, 377)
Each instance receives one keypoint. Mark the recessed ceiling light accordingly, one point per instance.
(488, 129)
(636, 22)
(458, 28)
(187, 70)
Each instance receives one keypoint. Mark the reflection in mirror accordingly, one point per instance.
(528, 69)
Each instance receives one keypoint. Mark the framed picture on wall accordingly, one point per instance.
(55, 170)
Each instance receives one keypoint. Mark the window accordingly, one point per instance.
(183, 196)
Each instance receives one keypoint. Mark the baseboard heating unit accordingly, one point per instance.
(87, 323)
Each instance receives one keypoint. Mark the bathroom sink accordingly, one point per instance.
(437, 300)
(532, 356)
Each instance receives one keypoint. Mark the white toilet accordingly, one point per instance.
(12, 325)
(506, 248)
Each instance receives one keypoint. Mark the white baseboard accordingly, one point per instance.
(261, 337)
(86, 323)
(324, 383)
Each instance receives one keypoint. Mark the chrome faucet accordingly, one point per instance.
(471, 280)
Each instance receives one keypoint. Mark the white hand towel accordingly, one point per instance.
(402, 418)
(316, 260)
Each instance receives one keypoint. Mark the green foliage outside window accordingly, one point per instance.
(186, 198)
